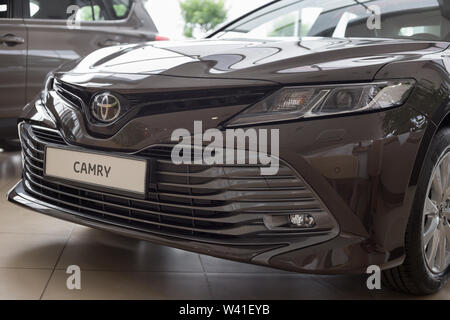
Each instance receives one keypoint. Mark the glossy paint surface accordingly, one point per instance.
(364, 167)
(306, 61)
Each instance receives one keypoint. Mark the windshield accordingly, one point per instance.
(399, 19)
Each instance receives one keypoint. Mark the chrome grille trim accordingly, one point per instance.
(232, 231)
(228, 219)
(200, 204)
(151, 103)
(69, 94)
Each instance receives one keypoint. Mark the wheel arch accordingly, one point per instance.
(432, 129)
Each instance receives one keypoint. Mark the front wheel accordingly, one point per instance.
(427, 243)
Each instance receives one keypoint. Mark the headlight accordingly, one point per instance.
(307, 102)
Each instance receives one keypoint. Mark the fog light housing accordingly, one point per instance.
(302, 220)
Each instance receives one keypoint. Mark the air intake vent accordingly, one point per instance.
(221, 204)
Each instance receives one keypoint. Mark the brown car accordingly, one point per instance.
(131, 139)
(37, 36)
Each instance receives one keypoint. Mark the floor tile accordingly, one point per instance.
(10, 170)
(387, 294)
(348, 286)
(23, 284)
(129, 285)
(268, 286)
(14, 219)
(30, 250)
(215, 265)
(107, 251)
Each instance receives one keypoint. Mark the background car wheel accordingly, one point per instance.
(427, 243)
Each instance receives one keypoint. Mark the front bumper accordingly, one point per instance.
(20, 196)
(226, 207)
(361, 168)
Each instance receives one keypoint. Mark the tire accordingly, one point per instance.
(421, 274)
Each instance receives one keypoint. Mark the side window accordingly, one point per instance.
(50, 9)
(90, 13)
(4, 9)
(121, 8)
(88, 10)
(417, 30)
(289, 21)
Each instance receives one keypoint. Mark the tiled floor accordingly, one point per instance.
(35, 251)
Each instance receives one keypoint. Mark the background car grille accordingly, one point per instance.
(215, 203)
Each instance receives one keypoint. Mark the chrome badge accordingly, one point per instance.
(105, 107)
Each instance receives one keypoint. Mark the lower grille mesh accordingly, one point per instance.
(214, 203)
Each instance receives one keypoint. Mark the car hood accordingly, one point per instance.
(310, 60)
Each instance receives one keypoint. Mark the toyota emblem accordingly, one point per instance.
(105, 107)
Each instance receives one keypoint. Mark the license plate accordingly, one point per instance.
(113, 173)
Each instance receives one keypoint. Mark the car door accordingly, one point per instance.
(65, 30)
(13, 52)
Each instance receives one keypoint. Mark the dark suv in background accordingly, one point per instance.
(37, 36)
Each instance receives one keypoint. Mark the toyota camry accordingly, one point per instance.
(308, 136)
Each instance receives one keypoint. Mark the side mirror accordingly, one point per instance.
(445, 8)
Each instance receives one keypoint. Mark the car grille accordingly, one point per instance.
(75, 96)
(213, 203)
(155, 103)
